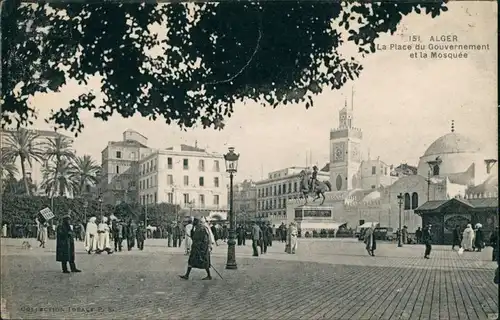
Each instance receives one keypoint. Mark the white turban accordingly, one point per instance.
(104, 219)
(93, 219)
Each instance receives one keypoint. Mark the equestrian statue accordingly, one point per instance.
(309, 185)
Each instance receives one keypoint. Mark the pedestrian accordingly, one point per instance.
(269, 235)
(370, 241)
(292, 238)
(479, 238)
(264, 238)
(215, 233)
(199, 257)
(103, 241)
(405, 235)
(188, 240)
(256, 237)
(170, 231)
(494, 244)
(91, 236)
(457, 238)
(467, 238)
(427, 240)
(118, 235)
(65, 246)
(131, 234)
(239, 234)
(4, 230)
(418, 235)
(42, 233)
(283, 232)
(140, 235)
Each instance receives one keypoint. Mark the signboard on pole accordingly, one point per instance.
(46, 214)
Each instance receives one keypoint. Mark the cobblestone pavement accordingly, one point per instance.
(325, 280)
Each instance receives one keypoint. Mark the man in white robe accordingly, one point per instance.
(188, 241)
(91, 236)
(205, 224)
(292, 234)
(103, 243)
(468, 238)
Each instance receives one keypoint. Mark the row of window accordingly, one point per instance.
(411, 202)
(151, 165)
(118, 155)
(270, 204)
(268, 214)
(152, 198)
(152, 182)
(277, 190)
(383, 170)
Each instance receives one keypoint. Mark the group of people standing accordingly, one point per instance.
(98, 236)
(263, 234)
(470, 239)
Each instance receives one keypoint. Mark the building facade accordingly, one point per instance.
(244, 200)
(120, 168)
(191, 177)
(279, 187)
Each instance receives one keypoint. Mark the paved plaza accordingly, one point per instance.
(327, 279)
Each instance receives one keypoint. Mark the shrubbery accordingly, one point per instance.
(20, 209)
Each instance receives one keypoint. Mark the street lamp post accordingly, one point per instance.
(400, 203)
(85, 204)
(231, 160)
(100, 206)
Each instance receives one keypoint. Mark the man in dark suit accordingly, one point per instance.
(427, 239)
(265, 240)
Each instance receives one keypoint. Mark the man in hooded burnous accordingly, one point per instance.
(91, 236)
(65, 246)
(199, 256)
(103, 242)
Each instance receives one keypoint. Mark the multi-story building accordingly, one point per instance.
(34, 170)
(119, 174)
(281, 185)
(244, 200)
(188, 176)
(373, 174)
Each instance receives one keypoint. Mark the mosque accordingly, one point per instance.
(451, 170)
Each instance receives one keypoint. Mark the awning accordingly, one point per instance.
(368, 224)
(321, 225)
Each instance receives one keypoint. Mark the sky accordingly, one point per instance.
(401, 104)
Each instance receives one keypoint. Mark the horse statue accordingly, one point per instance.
(319, 188)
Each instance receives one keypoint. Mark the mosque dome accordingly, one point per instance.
(456, 154)
(452, 143)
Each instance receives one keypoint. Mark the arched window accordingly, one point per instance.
(407, 201)
(435, 170)
(414, 200)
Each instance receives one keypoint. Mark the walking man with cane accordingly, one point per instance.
(199, 257)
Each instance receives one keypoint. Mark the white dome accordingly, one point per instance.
(457, 154)
(452, 143)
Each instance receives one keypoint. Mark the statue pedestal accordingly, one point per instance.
(316, 218)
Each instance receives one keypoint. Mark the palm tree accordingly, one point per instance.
(86, 172)
(22, 144)
(58, 177)
(7, 169)
(58, 150)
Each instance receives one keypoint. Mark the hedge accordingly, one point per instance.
(21, 209)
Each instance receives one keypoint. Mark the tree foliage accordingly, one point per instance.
(208, 56)
(23, 209)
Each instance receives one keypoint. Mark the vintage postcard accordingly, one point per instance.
(249, 160)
